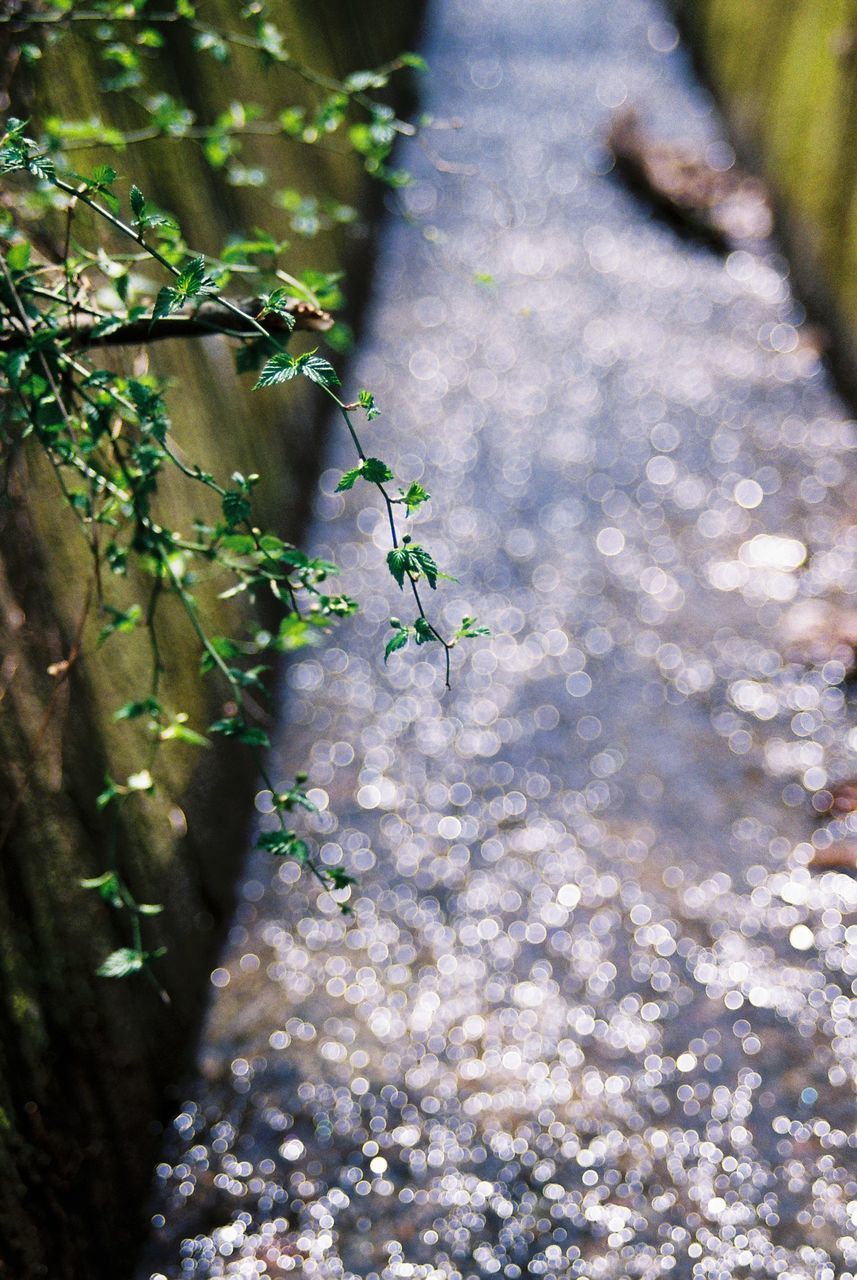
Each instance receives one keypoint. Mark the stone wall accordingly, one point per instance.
(86, 1064)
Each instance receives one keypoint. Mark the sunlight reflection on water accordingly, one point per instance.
(593, 1015)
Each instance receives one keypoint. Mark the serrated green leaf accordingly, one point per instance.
(425, 564)
(397, 562)
(103, 175)
(348, 480)
(424, 631)
(366, 400)
(319, 370)
(414, 496)
(167, 301)
(283, 844)
(278, 302)
(280, 368)
(375, 471)
(236, 508)
(41, 166)
(412, 559)
(193, 278)
(397, 640)
(138, 202)
(469, 630)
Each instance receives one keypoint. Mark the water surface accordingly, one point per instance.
(593, 1015)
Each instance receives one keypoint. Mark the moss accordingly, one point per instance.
(785, 76)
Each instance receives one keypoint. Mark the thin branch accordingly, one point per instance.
(200, 321)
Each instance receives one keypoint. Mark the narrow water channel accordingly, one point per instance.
(593, 1014)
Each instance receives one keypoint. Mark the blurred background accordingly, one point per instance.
(593, 1012)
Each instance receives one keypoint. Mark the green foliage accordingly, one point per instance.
(410, 560)
(282, 368)
(413, 497)
(123, 266)
(371, 469)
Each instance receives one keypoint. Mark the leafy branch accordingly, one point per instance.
(108, 438)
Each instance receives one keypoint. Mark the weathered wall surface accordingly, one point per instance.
(786, 77)
(85, 1062)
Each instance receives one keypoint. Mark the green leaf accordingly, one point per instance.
(324, 288)
(133, 710)
(236, 508)
(340, 338)
(236, 727)
(167, 301)
(375, 471)
(280, 368)
(213, 43)
(366, 400)
(294, 633)
(469, 630)
(359, 81)
(193, 279)
(295, 798)
(18, 256)
(349, 479)
(424, 631)
(178, 731)
(397, 562)
(121, 963)
(222, 646)
(412, 559)
(339, 877)
(108, 795)
(283, 844)
(414, 496)
(319, 370)
(398, 639)
(425, 564)
(371, 469)
(337, 606)
(122, 620)
(278, 303)
(138, 202)
(103, 175)
(41, 166)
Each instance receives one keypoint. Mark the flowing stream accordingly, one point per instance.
(594, 1012)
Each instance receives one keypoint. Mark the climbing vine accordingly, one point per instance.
(126, 273)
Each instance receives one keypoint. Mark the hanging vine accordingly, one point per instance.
(108, 436)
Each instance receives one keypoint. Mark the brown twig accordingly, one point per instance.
(201, 321)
